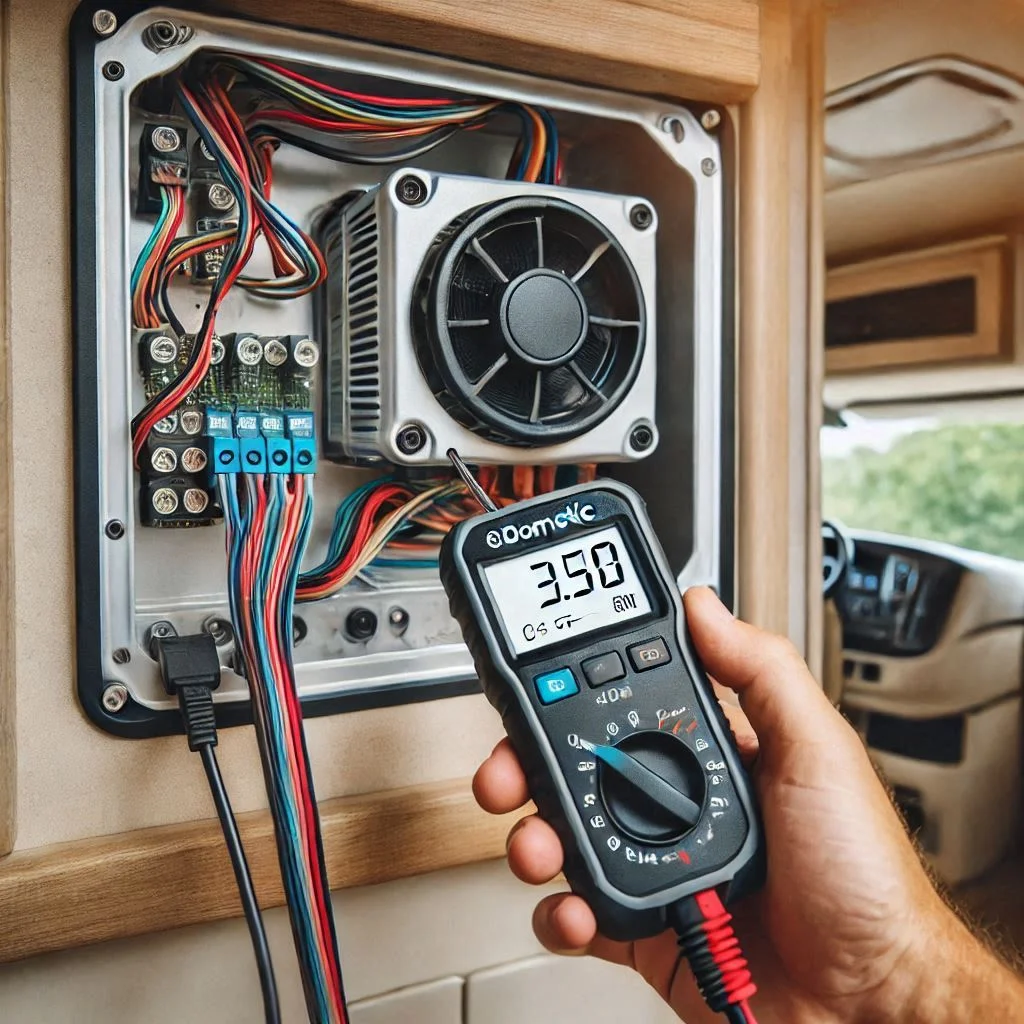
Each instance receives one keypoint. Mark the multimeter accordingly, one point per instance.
(575, 624)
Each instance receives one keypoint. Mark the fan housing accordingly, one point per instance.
(512, 321)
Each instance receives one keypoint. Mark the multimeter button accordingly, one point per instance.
(649, 654)
(605, 668)
(554, 686)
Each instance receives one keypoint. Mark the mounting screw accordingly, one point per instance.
(253, 458)
(710, 120)
(104, 23)
(410, 439)
(122, 656)
(299, 629)
(220, 629)
(158, 631)
(641, 216)
(708, 166)
(674, 126)
(410, 190)
(163, 34)
(641, 437)
(165, 140)
(220, 196)
(113, 70)
(398, 620)
(114, 529)
(115, 696)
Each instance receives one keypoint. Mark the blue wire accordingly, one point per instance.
(285, 810)
(550, 169)
(147, 249)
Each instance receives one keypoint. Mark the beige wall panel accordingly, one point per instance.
(392, 936)
(563, 990)
(8, 753)
(74, 781)
(440, 1002)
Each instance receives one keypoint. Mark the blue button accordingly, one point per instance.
(554, 686)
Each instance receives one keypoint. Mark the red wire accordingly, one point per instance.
(285, 683)
(364, 527)
(724, 947)
(386, 101)
(328, 124)
(748, 1012)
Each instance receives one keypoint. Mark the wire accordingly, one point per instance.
(246, 891)
(269, 519)
(707, 939)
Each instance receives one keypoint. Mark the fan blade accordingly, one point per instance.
(485, 257)
(587, 382)
(607, 321)
(592, 259)
(539, 383)
(489, 373)
(469, 323)
(540, 242)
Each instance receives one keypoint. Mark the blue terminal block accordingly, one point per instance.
(279, 449)
(302, 432)
(251, 444)
(222, 452)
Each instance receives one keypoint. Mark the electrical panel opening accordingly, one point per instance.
(323, 263)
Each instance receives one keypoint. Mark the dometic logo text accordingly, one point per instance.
(575, 514)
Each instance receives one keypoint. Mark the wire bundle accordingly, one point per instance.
(298, 266)
(268, 520)
(315, 108)
(145, 280)
(372, 517)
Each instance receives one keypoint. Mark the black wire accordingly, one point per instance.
(736, 1015)
(268, 985)
(361, 156)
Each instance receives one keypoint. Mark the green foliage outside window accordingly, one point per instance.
(962, 483)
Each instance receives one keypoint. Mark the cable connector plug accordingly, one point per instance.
(707, 939)
(191, 671)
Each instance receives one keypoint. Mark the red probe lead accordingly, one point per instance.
(709, 943)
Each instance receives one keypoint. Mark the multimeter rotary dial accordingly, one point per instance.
(651, 785)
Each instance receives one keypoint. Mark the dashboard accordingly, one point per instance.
(897, 599)
(933, 650)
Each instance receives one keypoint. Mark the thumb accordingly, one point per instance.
(777, 691)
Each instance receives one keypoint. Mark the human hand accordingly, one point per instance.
(849, 926)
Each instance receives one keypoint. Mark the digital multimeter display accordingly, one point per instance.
(566, 590)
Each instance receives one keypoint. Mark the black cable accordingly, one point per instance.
(250, 906)
(190, 667)
(735, 1015)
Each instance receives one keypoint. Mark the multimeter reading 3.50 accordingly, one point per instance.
(576, 627)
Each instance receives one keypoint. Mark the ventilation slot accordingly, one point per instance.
(361, 328)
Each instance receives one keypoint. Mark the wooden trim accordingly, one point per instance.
(8, 751)
(699, 50)
(985, 259)
(809, 98)
(73, 894)
(776, 375)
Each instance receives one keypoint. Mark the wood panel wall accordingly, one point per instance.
(781, 296)
(702, 50)
(698, 49)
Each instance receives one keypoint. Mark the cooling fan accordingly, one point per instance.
(513, 321)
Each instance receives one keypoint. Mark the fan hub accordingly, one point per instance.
(544, 317)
